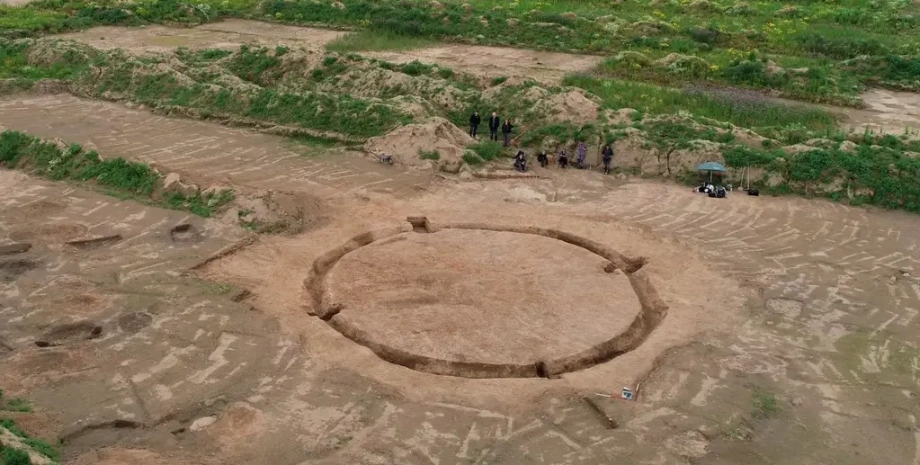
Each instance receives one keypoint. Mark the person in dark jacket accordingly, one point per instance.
(542, 158)
(474, 124)
(608, 155)
(494, 123)
(506, 131)
(562, 159)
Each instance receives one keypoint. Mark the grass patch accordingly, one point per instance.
(429, 155)
(471, 159)
(487, 150)
(376, 41)
(764, 404)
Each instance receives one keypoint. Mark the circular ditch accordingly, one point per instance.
(485, 301)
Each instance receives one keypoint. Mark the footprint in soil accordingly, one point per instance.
(11, 269)
(69, 333)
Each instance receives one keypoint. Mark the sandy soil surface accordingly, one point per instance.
(799, 343)
(482, 296)
(887, 111)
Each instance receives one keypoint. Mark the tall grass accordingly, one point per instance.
(737, 108)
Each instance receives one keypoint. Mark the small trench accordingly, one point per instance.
(70, 333)
(652, 313)
(95, 242)
(419, 224)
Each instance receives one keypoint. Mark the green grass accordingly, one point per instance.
(376, 41)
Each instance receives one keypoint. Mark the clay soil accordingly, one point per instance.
(791, 335)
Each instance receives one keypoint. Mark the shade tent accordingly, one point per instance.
(711, 167)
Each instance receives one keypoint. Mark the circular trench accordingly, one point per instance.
(485, 301)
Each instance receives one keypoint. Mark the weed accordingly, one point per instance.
(764, 404)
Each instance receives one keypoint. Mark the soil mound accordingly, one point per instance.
(407, 142)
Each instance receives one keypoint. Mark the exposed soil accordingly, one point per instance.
(791, 333)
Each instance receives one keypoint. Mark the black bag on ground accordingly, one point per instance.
(753, 192)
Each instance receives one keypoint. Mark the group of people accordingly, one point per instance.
(562, 158)
(494, 124)
(520, 160)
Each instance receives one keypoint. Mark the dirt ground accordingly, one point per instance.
(790, 338)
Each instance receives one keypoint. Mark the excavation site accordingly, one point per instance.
(459, 233)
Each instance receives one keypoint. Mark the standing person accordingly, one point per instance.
(542, 158)
(507, 127)
(563, 159)
(494, 122)
(474, 124)
(582, 151)
(608, 155)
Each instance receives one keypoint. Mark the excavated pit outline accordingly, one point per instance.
(652, 313)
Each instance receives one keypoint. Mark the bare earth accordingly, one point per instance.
(480, 296)
(791, 335)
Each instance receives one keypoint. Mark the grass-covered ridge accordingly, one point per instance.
(115, 176)
(816, 51)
